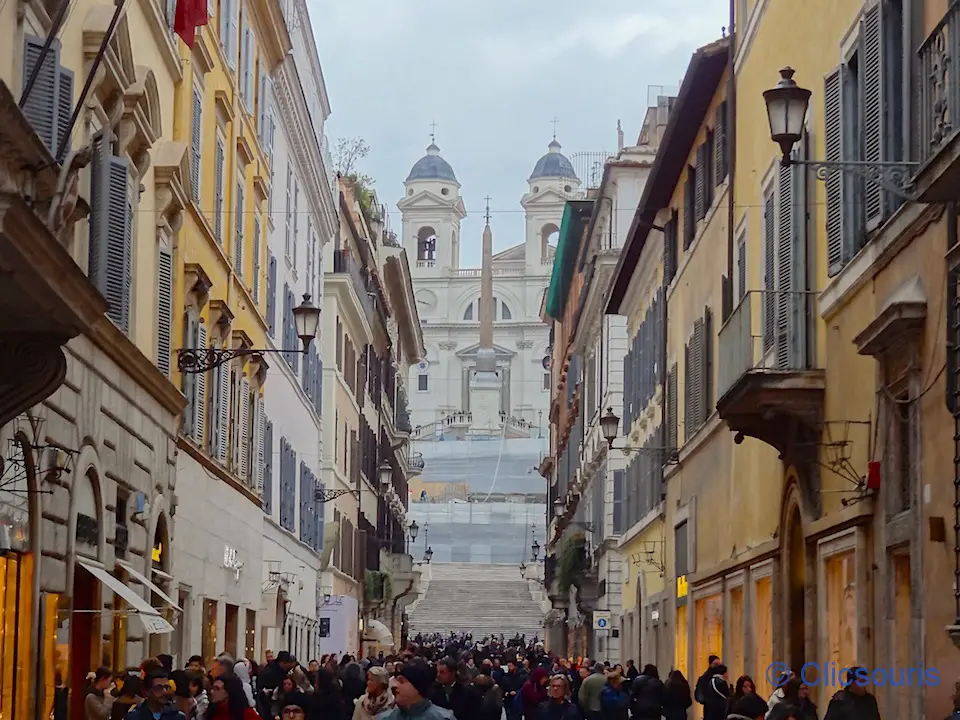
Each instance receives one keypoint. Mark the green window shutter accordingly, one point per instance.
(672, 439)
(769, 270)
(701, 184)
(195, 136)
(872, 108)
(238, 233)
(688, 393)
(164, 308)
(219, 161)
(200, 391)
(833, 140)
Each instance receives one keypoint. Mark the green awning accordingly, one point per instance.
(576, 213)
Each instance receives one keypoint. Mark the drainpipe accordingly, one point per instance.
(731, 138)
(396, 599)
(953, 396)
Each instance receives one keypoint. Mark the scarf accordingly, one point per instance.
(375, 705)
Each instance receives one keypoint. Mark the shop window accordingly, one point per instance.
(209, 640)
(708, 627)
(734, 655)
(841, 608)
(16, 677)
(681, 645)
(231, 629)
(762, 633)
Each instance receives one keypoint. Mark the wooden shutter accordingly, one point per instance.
(769, 270)
(262, 109)
(224, 19)
(720, 142)
(319, 383)
(219, 161)
(188, 381)
(267, 493)
(234, 36)
(708, 170)
(244, 434)
(245, 61)
(688, 394)
(304, 518)
(872, 106)
(256, 441)
(288, 217)
(271, 293)
(701, 179)
(741, 269)
(696, 366)
(200, 392)
(223, 413)
(111, 237)
(833, 140)
(238, 232)
(256, 260)
(50, 103)
(689, 208)
(294, 338)
(164, 308)
(706, 366)
(671, 408)
(784, 282)
(296, 219)
(195, 142)
(627, 391)
(64, 109)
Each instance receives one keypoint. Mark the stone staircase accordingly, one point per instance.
(479, 599)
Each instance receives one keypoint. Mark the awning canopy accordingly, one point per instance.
(139, 577)
(153, 623)
(380, 632)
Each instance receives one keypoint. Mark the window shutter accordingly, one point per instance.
(111, 238)
(689, 209)
(225, 26)
(669, 252)
(200, 398)
(218, 195)
(688, 426)
(784, 283)
(64, 109)
(244, 60)
(741, 269)
(238, 228)
(872, 105)
(296, 219)
(319, 384)
(696, 366)
(305, 377)
(294, 339)
(170, 10)
(164, 308)
(188, 381)
(720, 142)
(233, 37)
(271, 293)
(709, 171)
(223, 413)
(769, 282)
(41, 107)
(288, 217)
(256, 260)
(243, 440)
(262, 108)
(285, 335)
(701, 182)
(256, 442)
(196, 132)
(672, 408)
(267, 493)
(706, 366)
(833, 140)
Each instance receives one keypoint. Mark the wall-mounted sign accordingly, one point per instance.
(232, 561)
(655, 615)
(682, 586)
(601, 619)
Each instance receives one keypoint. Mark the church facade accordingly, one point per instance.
(448, 297)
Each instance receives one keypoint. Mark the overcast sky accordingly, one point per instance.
(493, 74)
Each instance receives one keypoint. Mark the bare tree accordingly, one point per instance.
(347, 153)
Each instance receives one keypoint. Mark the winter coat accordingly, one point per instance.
(716, 691)
(676, 701)
(614, 703)
(563, 710)
(242, 672)
(647, 698)
(462, 700)
(533, 693)
(590, 691)
(847, 705)
(143, 712)
(491, 704)
(97, 704)
(424, 710)
(362, 707)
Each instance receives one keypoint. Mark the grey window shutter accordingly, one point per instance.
(164, 307)
(256, 260)
(784, 283)
(720, 142)
(706, 372)
(285, 334)
(872, 108)
(41, 107)
(319, 384)
(271, 293)
(687, 394)
(262, 109)
(200, 398)
(64, 109)
(111, 232)
(689, 208)
(188, 381)
(268, 467)
(769, 269)
(304, 522)
(701, 182)
(742, 269)
(672, 439)
(238, 233)
(223, 413)
(219, 161)
(224, 18)
(294, 338)
(195, 136)
(833, 140)
(627, 419)
(696, 365)
(234, 35)
(171, 14)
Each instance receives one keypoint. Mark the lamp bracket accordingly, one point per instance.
(323, 495)
(894, 177)
(200, 360)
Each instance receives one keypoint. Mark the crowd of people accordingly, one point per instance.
(447, 678)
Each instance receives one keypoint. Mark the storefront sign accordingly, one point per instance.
(232, 561)
(682, 586)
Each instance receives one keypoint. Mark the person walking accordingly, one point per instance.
(853, 702)
(377, 701)
(716, 692)
(646, 693)
(158, 696)
(676, 697)
(412, 695)
(557, 706)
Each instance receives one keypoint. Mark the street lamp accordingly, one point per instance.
(428, 555)
(413, 529)
(306, 318)
(535, 550)
(786, 112)
(609, 426)
(558, 508)
(386, 476)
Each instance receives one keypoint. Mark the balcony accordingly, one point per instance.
(415, 461)
(344, 263)
(402, 415)
(769, 387)
(939, 110)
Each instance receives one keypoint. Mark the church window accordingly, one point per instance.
(536, 188)
(423, 383)
(410, 192)
(505, 313)
(427, 244)
(445, 191)
(567, 188)
(468, 313)
(546, 381)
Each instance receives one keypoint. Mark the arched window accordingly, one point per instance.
(468, 313)
(505, 313)
(427, 244)
(501, 311)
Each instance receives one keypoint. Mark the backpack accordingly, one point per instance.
(698, 692)
(516, 706)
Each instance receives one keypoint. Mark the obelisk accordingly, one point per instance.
(485, 381)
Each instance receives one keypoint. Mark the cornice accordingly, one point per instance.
(302, 145)
(310, 44)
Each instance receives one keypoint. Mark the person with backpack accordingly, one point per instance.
(716, 694)
(646, 702)
(699, 689)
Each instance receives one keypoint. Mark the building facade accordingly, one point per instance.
(301, 221)
(448, 295)
(88, 482)
(220, 302)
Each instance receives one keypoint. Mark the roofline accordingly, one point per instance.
(700, 84)
(608, 169)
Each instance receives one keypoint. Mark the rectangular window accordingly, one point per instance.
(680, 550)
(546, 381)
(422, 383)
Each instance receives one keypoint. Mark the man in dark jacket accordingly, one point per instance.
(716, 693)
(510, 685)
(647, 695)
(453, 695)
(699, 692)
(853, 702)
(158, 704)
(632, 672)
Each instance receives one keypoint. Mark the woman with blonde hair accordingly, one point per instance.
(377, 701)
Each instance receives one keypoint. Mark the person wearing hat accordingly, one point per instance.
(412, 695)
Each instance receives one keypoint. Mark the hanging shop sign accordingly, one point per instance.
(682, 586)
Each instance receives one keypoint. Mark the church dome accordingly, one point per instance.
(431, 167)
(554, 164)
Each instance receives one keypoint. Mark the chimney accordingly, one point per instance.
(664, 105)
(619, 137)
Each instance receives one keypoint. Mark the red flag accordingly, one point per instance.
(190, 15)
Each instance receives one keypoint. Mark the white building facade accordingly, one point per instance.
(448, 295)
(302, 221)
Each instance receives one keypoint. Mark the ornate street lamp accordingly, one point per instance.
(786, 112)
(428, 555)
(306, 318)
(413, 529)
(535, 550)
(609, 426)
(558, 508)
(386, 476)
